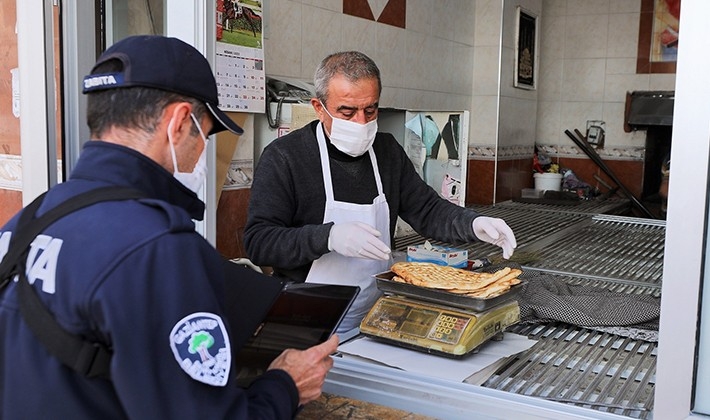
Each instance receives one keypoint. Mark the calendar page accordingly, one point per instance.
(239, 61)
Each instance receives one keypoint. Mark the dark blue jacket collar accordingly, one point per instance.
(120, 165)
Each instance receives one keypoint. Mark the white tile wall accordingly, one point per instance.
(321, 34)
(447, 58)
(598, 67)
(282, 48)
(332, 5)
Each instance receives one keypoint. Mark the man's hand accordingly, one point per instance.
(360, 240)
(495, 231)
(308, 368)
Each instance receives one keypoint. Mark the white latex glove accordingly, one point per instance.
(357, 239)
(495, 231)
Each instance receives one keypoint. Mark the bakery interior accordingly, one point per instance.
(596, 106)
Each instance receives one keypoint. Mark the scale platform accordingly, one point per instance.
(436, 328)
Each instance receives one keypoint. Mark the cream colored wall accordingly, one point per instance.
(588, 63)
(486, 72)
(426, 66)
(518, 107)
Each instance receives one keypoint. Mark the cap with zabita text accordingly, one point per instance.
(164, 63)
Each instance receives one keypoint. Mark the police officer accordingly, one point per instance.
(133, 274)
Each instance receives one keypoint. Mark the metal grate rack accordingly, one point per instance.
(529, 226)
(582, 367)
(612, 248)
(608, 206)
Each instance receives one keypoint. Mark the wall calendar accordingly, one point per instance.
(239, 61)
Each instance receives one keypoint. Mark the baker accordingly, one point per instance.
(325, 198)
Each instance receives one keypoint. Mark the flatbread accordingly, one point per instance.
(456, 280)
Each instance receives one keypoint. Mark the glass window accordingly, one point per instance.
(133, 17)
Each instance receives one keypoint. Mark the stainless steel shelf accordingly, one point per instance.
(571, 367)
(612, 248)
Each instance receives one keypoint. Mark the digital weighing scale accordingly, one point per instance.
(435, 321)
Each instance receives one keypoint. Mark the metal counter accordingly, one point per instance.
(572, 372)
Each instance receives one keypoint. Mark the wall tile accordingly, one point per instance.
(440, 59)
(624, 6)
(485, 71)
(513, 176)
(554, 8)
(419, 16)
(662, 81)
(332, 5)
(359, 35)
(623, 35)
(586, 36)
(417, 59)
(479, 182)
(487, 26)
(551, 130)
(463, 24)
(583, 80)
(575, 115)
(629, 173)
(552, 37)
(507, 76)
(613, 116)
(588, 7)
(583, 83)
(616, 86)
(282, 52)
(621, 66)
(318, 44)
(517, 124)
(392, 97)
(550, 76)
(443, 17)
(462, 69)
(391, 55)
(484, 117)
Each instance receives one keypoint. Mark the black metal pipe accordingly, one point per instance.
(594, 156)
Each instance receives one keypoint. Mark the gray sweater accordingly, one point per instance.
(285, 228)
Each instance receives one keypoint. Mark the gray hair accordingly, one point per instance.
(354, 65)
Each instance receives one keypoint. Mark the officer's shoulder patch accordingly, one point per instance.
(201, 346)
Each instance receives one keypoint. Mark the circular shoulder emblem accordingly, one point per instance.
(201, 347)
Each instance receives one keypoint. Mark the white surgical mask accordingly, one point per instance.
(195, 179)
(350, 137)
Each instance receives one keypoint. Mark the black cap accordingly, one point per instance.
(162, 63)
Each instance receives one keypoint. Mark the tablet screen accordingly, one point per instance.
(304, 314)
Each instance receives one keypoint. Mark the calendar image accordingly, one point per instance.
(239, 61)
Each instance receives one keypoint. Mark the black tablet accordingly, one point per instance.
(303, 315)
(248, 296)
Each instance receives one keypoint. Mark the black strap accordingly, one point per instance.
(91, 359)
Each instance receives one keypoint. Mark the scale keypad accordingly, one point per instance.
(448, 328)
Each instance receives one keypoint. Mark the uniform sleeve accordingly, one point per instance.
(161, 310)
(273, 236)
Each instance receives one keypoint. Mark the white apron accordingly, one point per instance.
(333, 268)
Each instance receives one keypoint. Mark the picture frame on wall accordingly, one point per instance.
(658, 36)
(526, 42)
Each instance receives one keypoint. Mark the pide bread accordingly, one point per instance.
(456, 280)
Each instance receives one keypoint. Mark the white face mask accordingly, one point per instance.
(350, 137)
(195, 179)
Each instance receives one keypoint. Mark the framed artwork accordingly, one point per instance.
(658, 36)
(526, 37)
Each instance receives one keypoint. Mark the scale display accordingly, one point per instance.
(435, 328)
